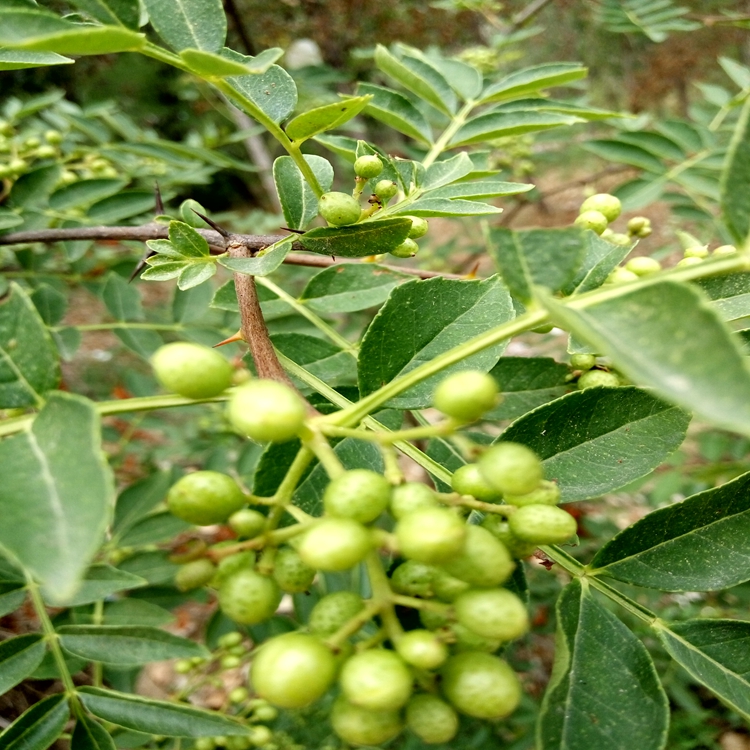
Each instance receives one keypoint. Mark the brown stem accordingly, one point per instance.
(153, 231)
(253, 326)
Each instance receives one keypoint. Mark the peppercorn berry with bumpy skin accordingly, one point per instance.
(421, 649)
(431, 719)
(542, 524)
(484, 561)
(335, 544)
(493, 613)
(432, 535)
(582, 361)
(192, 370)
(597, 379)
(419, 227)
(205, 498)
(333, 611)
(593, 220)
(409, 497)
(385, 190)
(359, 494)
(469, 480)
(247, 522)
(604, 203)
(376, 679)
(248, 597)
(266, 410)
(511, 468)
(361, 726)
(466, 395)
(292, 574)
(547, 493)
(643, 266)
(194, 574)
(407, 249)
(368, 166)
(339, 209)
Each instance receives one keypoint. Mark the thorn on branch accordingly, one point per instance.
(223, 232)
(158, 200)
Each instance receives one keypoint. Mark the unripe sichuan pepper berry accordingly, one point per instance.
(643, 266)
(376, 679)
(385, 190)
(582, 361)
(605, 203)
(493, 613)
(293, 670)
(422, 649)
(511, 468)
(205, 498)
(466, 395)
(333, 611)
(335, 544)
(194, 574)
(192, 370)
(431, 719)
(266, 410)
(547, 493)
(291, 573)
(484, 561)
(542, 524)
(432, 535)
(411, 496)
(447, 587)
(593, 220)
(247, 522)
(368, 166)
(339, 209)
(469, 480)
(597, 378)
(248, 597)
(413, 578)
(359, 494)
(419, 227)
(360, 726)
(407, 249)
(500, 529)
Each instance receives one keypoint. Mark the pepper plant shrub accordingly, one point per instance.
(406, 596)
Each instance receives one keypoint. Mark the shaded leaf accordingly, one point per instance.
(12, 596)
(396, 111)
(600, 439)
(298, 201)
(599, 260)
(123, 300)
(90, 735)
(101, 581)
(604, 691)
(153, 529)
(123, 12)
(9, 218)
(84, 193)
(422, 319)
(429, 206)
(195, 273)
(123, 205)
(318, 356)
(19, 657)
(139, 498)
(16, 59)
(38, 727)
(625, 153)
(530, 80)
(210, 64)
(735, 202)
(357, 240)
(446, 171)
(699, 544)
(157, 717)
(489, 187)
(260, 265)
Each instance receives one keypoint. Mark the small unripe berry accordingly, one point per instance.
(597, 378)
(230, 640)
(339, 209)
(621, 276)
(691, 260)
(547, 493)
(194, 574)
(385, 190)
(643, 266)
(68, 177)
(500, 529)
(466, 395)
(618, 238)
(469, 480)
(265, 713)
(53, 136)
(18, 166)
(542, 524)
(230, 662)
(335, 544)
(205, 498)
(247, 522)
(606, 204)
(593, 220)
(359, 494)
(368, 166)
(511, 468)
(419, 227)
(290, 572)
(492, 613)
(361, 726)
(468, 640)
(192, 370)
(639, 226)
(32, 142)
(696, 251)
(183, 666)
(447, 587)
(333, 611)
(582, 361)
(432, 535)
(230, 565)
(376, 679)
(46, 152)
(484, 561)
(266, 410)
(421, 649)
(725, 250)
(413, 578)
(431, 719)
(248, 597)
(411, 496)
(238, 695)
(407, 249)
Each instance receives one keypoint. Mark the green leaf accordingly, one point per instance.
(38, 727)
(260, 265)
(419, 78)
(194, 274)
(714, 652)
(126, 645)
(502, 124)
(735, 202)
(210, 64)
(157, 717)
(90, 735)
(12, 596)
(541, 104)
(422, 319)
(318, 356)
(349, 287)
(101, 581)
(123, 205)
(143, 342)
(273, 92)
(11, 59)
(123, 301)
(189, 24)
(19, 657)
(396, 111)
(9, 218)
(140, 498)
(136, 612)
(114, 12)
(699, 544)
(449, 170)
(527, 382)
(464, 79)
(154, 567)
(61, 479)
(489, 187)
(537, 257)
(298, 201)
(600, 439)
(357, 240)
(84, 193)
(153, 529)
(729, 294)
(530, 80)
(625, 153)
(187, 241)
(50, 304)
(163, 271)
(327, 117)
(604, 691)
(599, 260)
(429, 206)
(666, 336)
(33, 189)
(28, 358)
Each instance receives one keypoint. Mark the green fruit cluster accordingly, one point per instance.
(597, 211)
